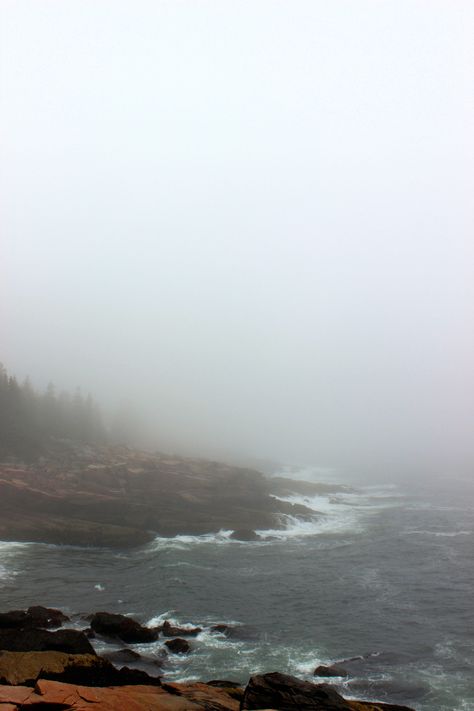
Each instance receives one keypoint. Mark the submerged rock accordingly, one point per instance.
(332, 670)
(178, 646)
(245, 534)
(125, 628)
(169, 630)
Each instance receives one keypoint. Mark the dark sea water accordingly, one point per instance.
(385, 574)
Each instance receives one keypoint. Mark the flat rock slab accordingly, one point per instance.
(185, 697)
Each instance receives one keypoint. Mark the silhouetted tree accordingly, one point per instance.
(28, 420)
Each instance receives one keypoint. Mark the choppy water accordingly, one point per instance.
(385, 574)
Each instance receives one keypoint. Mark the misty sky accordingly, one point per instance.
(254, 219)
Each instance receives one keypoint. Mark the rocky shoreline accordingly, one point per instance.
(46, 662)
(121, 498)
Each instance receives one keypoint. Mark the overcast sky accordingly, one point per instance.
(254, 219)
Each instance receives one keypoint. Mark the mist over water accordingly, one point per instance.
(246, 229)
(251, 220)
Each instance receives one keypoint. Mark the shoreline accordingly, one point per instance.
(46, 661)
(120, 498)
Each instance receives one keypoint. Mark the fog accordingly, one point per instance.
(254, 220)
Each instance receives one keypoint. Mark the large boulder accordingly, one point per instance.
(26, 668)
(125, 628)
(36, 640)
(37, 616)
(287, 693)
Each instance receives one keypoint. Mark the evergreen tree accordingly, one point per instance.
(29, 420)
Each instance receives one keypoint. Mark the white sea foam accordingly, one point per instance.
(182, 542)
(338, 512)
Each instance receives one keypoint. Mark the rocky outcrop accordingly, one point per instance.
(25, 668)
(37, 616)
(169, 630)
(114, 496)
(124, 628)
(52, 696)
(287, 693)
(34, 657)
(35, 640)
(283, 486)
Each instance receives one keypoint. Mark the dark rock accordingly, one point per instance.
(287, 693)
(224, 684)
(223, 629)
(178, 646)
(33, 617)
(122, 656)
(240, 632)
(89, 632)
(245, 534)
(332, 670)
(125, 628)
(25, 668)
(168, 630)
(34, 640)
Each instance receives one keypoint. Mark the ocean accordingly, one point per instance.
(380, 580)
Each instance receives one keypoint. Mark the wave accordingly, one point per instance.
(440, 534)
(183, 542)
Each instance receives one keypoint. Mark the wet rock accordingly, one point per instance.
(287, 693)
(122, 656)
(245, 534)
(178, 646)
(37, 640)
(223, 629)
(329, 671)
(240, 632)
(125, 628)
(36, 616)
(169, 630)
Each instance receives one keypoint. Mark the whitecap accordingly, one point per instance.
(183, 542)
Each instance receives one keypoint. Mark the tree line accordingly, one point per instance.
(29, 418)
